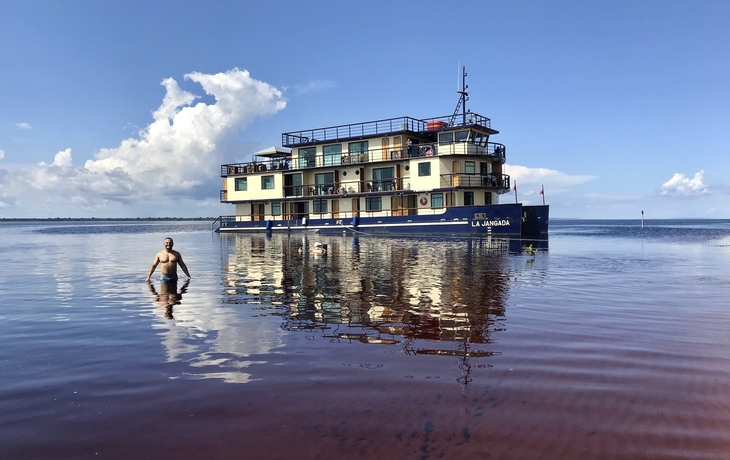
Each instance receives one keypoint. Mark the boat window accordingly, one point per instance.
(307, 157)
(468, 198)
(324, 183)
(241, 184)
(469, 167)
(319, 206)
(332, 154)
(437, 200)
(383, 178)
(477, 138)
(267, 182)
(275, 209)
(446, 138)
(461, 136)
(373, 203)
(358, 152)
(424, 169)
(487, 197)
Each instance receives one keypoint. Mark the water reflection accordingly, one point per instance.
(439, 297)
(168, 296)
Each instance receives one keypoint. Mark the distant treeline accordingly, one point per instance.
(76, 219)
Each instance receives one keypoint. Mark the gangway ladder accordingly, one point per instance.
(464, 96)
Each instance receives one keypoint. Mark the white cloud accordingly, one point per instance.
(680, 185)
(63, 159)
(23, 126)
(553, 180)
(178, 153)
(2, 154)
(313, 86)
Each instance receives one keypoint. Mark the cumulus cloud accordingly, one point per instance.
(2, 154)
(23, 126)
(555, 180)
(178, 152)
(680, 185)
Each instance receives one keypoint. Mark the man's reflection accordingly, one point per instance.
(168, 296)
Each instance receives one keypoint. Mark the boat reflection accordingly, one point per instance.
(436, 297)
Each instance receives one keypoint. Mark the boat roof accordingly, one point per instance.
(369, 129)
(273, 152)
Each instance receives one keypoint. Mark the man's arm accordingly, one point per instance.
(182, 265)
(152, 268)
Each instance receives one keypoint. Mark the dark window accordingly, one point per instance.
(488, 197)
(332, 154)
(437, 200)
(324, 183)
(319, 206)
(424, 169)
(383, 178)
(446, 138)
(373, 203)
(275, 209)
(468, 198)
(267, 182)
(307, 157)
(358, 152)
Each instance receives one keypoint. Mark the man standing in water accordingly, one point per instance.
(170, 260)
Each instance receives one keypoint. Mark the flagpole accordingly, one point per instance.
(515, 189)
(542, 192)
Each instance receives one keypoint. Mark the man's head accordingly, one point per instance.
(168, 243)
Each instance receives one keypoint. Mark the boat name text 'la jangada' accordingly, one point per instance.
(490, 223)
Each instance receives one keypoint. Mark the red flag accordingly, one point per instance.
(542, 192)
(514, 187)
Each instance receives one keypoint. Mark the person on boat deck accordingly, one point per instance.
(168, 260)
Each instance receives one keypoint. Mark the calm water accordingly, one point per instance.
(613, 342)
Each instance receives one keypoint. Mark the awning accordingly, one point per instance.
(273, 152)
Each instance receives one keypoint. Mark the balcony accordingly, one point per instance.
(498, 181)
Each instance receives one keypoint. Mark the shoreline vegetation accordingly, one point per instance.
(100, 219)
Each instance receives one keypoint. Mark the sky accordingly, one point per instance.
(128, 109)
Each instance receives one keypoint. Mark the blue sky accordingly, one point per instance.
(127, 109)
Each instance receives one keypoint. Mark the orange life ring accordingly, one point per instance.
(424, 200)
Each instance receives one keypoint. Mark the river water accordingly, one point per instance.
(613, 341)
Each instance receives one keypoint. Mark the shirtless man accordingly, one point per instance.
(170, 260)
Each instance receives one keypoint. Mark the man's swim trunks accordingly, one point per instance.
(168, 278)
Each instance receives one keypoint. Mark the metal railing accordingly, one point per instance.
(380, 127)
(492, 151)
(295, 219)
(501, 181)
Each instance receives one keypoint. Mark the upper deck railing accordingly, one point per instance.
(382, 127)
(492, 151)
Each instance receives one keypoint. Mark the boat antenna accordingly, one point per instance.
(464, 96)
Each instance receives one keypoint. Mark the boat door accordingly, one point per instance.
(396, 205)
(300, 209)
(335, 208)
(356, 206)
(411, 205)
(385, 152)
(258, 211)
(397, 146)
(456, 171)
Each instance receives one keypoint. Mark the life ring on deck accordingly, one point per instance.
(424, 201)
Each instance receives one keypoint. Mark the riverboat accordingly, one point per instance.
(436, 175)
